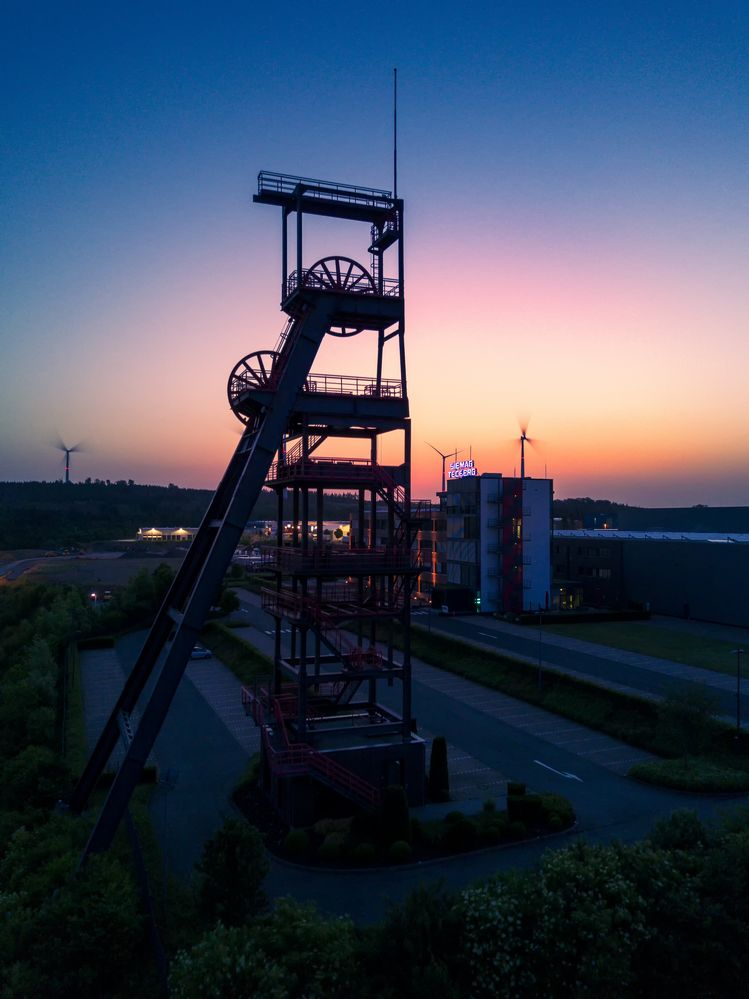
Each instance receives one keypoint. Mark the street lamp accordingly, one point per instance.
(738, 653)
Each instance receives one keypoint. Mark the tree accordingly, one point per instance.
(418, 951)
(231, 874)
(229, 602)
(292, 953)
(439, 774)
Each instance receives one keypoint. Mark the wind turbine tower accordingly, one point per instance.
(451, 454)
(61, 446)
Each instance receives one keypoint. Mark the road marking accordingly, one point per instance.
(561, 773)
(269, 633)
(486, 634)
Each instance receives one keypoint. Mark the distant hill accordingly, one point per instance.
(53, 514)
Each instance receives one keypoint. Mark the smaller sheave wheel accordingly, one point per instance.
(253, 372)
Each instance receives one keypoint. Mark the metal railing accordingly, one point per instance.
(316, 277)
(339, 560)
(328, 190)
(330, 468)
(389, 388)
(323, 384)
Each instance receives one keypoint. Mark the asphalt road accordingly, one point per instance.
(599, 667)
(198, 748)
(608, 805)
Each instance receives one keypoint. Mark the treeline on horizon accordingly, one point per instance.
(56, 514)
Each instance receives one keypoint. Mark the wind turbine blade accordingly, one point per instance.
(436, 449)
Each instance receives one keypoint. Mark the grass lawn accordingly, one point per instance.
(633, 720)
(695, 774)
(650, 640)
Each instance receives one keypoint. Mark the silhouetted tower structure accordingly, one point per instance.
(321, 718)
(342, 607)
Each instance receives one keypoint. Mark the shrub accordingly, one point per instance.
(323, 827)
(517, 830)
(439, 776)
(426, 833)
(365, 825)
(515, 788)
(364, 853)
(417, 951)
(682, 830)
(454, 816)
(331, 847)
(527, 808)
(556, 812)
(395, 818)
(461, 836)
(490, 805)
(495, 830)
(399, 852)
(296, 843)
(293, 952)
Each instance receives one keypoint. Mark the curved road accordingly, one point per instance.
(201, 744)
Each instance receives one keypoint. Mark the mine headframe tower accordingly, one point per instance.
(343, 606)
(321, 713)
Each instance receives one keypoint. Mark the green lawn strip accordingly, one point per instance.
(693, 774)
(242, 658)
(663, 643)
(624, 716)
(631, 719)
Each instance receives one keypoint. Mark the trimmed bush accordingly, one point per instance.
(526, 808)
(365, 853)
(395, 819)
(331, 847)
(495, 831)
(461, 836)
(556, 812)
(296, 843)
(439, 776)
(399, 852)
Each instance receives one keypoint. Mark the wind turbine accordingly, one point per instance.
(450, 454)
(524, 439)
(61, 446)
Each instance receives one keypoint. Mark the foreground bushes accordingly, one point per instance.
(668, 916)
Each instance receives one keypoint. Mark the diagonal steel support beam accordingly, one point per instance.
(197, 582)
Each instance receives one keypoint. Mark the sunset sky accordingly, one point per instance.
(576, 179)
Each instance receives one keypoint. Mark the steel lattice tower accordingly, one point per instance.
(320, 712)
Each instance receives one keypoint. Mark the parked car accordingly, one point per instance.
(199, 652)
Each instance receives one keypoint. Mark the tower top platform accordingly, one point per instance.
(324, 197)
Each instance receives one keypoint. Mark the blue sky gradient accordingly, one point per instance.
(577, 228)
